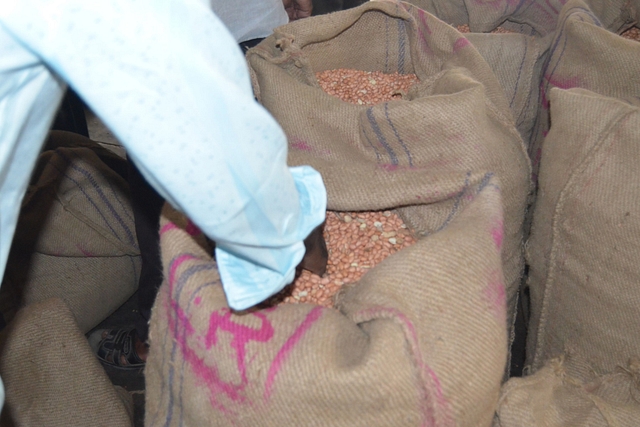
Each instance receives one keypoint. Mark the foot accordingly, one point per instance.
(120, 348)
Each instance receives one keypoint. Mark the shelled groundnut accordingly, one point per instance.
(357, 242)
(632, 33)
(365, 87)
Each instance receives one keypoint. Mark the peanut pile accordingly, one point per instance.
(356, 241)
(632, 33)
(365, 87)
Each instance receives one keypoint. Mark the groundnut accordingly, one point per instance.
(632, 33)
(342, 232)
(365, 87)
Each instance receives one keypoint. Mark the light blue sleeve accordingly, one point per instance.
(170, 82)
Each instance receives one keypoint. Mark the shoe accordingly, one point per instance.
(116, 348)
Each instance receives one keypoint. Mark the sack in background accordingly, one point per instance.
(587, 53)
(584, 250)
(75, 237)
(567, 393)
(50, 375)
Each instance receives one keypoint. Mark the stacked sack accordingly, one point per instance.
(74, 260)
(584, 343)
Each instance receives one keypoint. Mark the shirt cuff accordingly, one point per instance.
(246, 283)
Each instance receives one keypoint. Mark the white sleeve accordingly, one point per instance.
(169, 80)
(250, 19)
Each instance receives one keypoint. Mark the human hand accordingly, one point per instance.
(298, 9)
(316, 254)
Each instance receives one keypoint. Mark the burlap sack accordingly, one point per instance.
(587, 53)
(75, 238)
(584, 250)
(526, 17)
(51, 378)
(517, 61)
(420, 341)
(567, 393)
(451, 129)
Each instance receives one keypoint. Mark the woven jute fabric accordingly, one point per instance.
(420, 341)
(50, 375)
(452, 131)
(75, 237)
(586, 52)
(584, 250)
(568, 393)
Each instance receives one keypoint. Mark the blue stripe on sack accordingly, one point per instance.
(395, 132)
(182, 280)
(386, 40)
(378, 158)
(456, 206)
(380, 136)
(402, 40)
(103, 198)
(63, 173)
(126, 210)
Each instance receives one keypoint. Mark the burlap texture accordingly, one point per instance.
(50, 375)
(75, 238)
(587, 53)
(567, 393)
(419, 341)
(451, 131)
(584, 249)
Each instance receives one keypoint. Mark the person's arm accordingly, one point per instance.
(168, 79)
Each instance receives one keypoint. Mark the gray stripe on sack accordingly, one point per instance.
(380, 136)
(395, 132)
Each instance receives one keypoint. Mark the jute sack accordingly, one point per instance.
(584, 249)
(517, 61)
(50, 375)
(75, 238)
(567, 393)
(587, 53)
(536, 18)
(451, 130)
(419, 341)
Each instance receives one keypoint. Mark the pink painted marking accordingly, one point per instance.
(241, 336)
(288, 346)
(497, 232)
(168, 227)
(198, 300)
(412, 336)
(550, 17)
(423, 37)
(204, 373)
(551, 7)
(299, 144)
(389, 167)
(559, 82)
(192, 229)
(84, 251)
(462, 42)
(495, 295)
